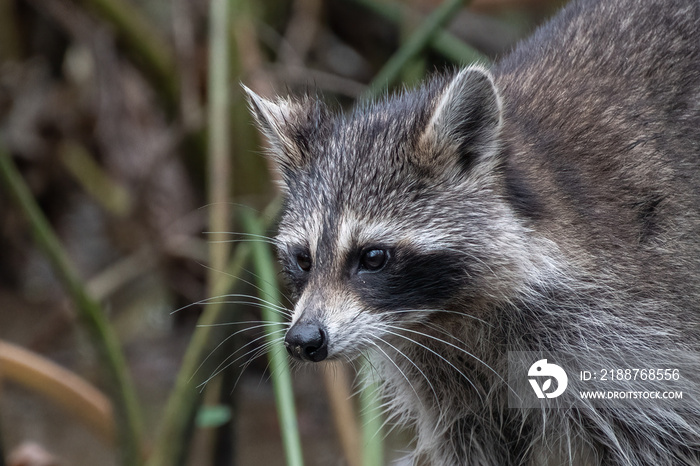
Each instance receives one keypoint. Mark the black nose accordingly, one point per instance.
(307, 340)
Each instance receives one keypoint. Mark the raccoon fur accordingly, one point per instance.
(551, 202)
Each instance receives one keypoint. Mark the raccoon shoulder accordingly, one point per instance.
(602, 117)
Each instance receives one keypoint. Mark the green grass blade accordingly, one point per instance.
(219, 163)
(263, 261)
(172, 443)
(372, 420)
(443, 42)
(104, 338)
(413, 45)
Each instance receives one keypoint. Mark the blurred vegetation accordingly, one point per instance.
(136, 209)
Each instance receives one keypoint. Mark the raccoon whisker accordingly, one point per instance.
(354, 363)
(471, 256)
(260, 352)
(280, 310)
(241, 233)
(218, 241)
(450, 335)
(365, 342)
(462, 350)
(442, 331)
(224, 365)
(432, 388)
(349, 360)
(263, 350)
(224, 341)
(381, 408)
(224, 324)
(284, 312)
(388, 418)
(403, 374)
(248, 282)
(386, 329)
(228, 357)
(455, 347)
(346, 359)
(233, 295)
(383, 411)
(440, 411)
(291, 303)
(363, 369)
(256, 353)
(329, 370)
(443, 311)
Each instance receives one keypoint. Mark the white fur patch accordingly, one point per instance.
(354, 231)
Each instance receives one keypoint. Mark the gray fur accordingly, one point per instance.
(557, 199)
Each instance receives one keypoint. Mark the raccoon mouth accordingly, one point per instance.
(307, 341)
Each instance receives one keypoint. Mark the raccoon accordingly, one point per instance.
(549, 202)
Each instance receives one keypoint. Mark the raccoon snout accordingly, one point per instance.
(307, 341)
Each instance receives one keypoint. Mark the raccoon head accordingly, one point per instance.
(390, 212)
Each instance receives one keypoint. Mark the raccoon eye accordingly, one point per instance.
(304, 260)
(373, 259)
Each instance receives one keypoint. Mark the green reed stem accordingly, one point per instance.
(443, 42)
(172, 443)
(104, 338)
(372, 421)
(280, 371)
(413, 46)
(219, 157)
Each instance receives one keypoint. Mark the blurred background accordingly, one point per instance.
(133, 287)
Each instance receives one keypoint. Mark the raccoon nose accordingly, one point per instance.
(307, 340)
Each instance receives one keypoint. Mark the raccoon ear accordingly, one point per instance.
(466, 121)
(284, 124)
